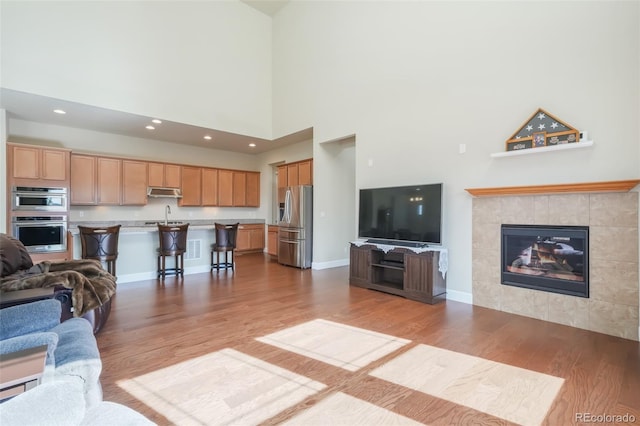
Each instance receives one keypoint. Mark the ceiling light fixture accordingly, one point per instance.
(207, 137)
(59, 111)
(150, 127)
(252, 145)
(155, 120)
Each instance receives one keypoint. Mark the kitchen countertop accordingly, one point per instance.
(151, 225)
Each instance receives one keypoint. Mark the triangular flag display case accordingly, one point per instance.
(542, 129)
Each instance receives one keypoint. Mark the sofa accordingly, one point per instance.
(83, 287)
(69, 392)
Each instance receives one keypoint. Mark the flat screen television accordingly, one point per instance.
(401, 214)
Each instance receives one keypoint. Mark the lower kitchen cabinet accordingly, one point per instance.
(250, 238)
(272, 240)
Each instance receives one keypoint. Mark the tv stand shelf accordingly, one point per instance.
(400, 271)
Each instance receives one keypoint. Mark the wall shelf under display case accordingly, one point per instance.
(561, 147)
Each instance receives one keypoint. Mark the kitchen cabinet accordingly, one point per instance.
(253, 189)
(134, 183)
(297, 173)
(272, 240)
(239, 189)
(209, 187)
(250, 237)
(225, 188)
(292, 174)
(164, 175)
(109, 180)
(191, 186)
(305, 172)
(83, 180)
(36, 163)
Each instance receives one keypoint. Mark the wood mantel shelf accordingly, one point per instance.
(610, 186)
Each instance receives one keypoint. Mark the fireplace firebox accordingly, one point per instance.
(547, 258)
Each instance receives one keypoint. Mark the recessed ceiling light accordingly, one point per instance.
(59, 111)
(252, 145)
(207, 137)
(155, 120)
(150, 127)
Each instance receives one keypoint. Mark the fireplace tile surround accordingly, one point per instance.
(613, 304)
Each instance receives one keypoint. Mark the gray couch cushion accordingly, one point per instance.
(33, 317)
(31, 340)
(76, 341)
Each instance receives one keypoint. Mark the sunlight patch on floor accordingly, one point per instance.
(343, 409)
(340, 345)
(511, 393)
(224, 387)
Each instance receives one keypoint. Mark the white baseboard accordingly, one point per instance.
(152, 275)
(330, 264)
(460, 296)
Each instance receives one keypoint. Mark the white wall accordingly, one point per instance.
(205, 63)
(414, 80)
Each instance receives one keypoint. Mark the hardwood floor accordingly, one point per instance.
(155, 325)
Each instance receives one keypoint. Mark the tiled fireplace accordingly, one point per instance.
(612, 218)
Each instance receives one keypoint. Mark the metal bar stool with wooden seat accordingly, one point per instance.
(225, 243)
(101, 243)
(173, 242)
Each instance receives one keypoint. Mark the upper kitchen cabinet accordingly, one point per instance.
(209, 187)
(164, 175)
(237, 188)
(225, 188)
(191, 187)
(253, 189)
(33, 164)
(134, 183)
(246, 189)
(298, 173)
(109, 181)
(305, 172)
(83, 180)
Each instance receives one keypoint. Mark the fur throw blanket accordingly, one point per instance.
(91, 285)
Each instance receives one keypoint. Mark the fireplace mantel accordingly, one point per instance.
(609, 186)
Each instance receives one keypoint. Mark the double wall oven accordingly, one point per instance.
(39, 218)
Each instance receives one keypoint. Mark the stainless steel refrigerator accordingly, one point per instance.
(295, 239)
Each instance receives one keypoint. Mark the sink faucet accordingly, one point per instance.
(167, 210)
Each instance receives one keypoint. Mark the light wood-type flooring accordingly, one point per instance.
(197, 322)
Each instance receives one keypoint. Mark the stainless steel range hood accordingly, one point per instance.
(156, 192)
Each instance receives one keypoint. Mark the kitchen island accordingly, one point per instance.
(138, 242)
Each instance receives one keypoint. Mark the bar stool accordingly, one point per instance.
(173, 242)
(225, 243)
(101, 244)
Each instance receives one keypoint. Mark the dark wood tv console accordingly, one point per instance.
(400, 271)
